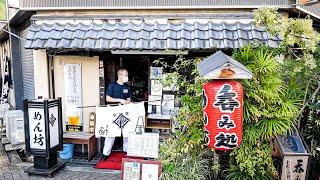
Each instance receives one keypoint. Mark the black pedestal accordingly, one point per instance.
(45, 166)
(45, 172)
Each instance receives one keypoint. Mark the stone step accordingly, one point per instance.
(5, 141)
(4, 160)
(10, 147)
(14, 157)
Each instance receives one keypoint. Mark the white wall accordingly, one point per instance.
(90, 83)
(41, 79)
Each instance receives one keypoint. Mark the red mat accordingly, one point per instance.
(114, 161)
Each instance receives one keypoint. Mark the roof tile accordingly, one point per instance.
(145, 36)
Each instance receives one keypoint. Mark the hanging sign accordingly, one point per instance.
(73, 96)
(223, 109)
(112, 121)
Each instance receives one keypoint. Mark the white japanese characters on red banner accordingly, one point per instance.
(223, 109)
(37, 128)
(111, 121)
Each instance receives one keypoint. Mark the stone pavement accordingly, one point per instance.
(68, 173)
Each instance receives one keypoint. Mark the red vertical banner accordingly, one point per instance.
(223, 114)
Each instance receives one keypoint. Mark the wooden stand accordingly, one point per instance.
(82, 138)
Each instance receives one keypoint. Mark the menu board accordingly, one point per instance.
(143, 145)
(138, 169)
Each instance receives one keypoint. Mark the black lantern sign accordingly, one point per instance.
(43, 134)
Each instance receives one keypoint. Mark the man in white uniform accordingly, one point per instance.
(117, 92)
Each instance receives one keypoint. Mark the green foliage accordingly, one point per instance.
(184, 155)
(283, 91)
(294, 32)
(268, 111)
(253, 163)
(3, 10)
(266, 103)
(300, 69)
(180, 165)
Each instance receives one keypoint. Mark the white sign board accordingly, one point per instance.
(156, 87)
(294, 167)
(54, 126)
(143, 145)
(72, 93)
(111, 121)
(37, 128)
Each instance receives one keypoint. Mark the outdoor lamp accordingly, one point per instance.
(222, 100)
(43, 134)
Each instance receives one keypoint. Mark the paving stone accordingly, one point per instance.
(69, 173)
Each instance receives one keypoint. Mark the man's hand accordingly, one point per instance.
(122, 101)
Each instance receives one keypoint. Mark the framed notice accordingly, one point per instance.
(168, 104)
(156, 87)
(131, 170)
(73, 95)
(156, 72)
(147, 169)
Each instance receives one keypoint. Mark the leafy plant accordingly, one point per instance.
(184, 155)
(253, 163)
(181, 165)
(268, 112)
(300, 71)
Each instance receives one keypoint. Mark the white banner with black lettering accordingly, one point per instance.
(73, 93)
(111, 121)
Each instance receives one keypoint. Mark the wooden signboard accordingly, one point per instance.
(137, 169)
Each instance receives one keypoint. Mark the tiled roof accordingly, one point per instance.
(216, 61)
(143, 4)
(143, 36)
(313, 10)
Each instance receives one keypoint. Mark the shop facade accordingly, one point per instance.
(99, 48)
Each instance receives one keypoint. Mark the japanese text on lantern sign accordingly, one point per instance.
(38, 131)
(226, 101)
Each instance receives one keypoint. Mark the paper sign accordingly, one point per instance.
(168, 104)
(150, 172)
(131, 171)
(156, 72)
(73, 94)
(143, 145)
(156, 87)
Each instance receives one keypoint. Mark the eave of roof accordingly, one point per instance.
(146, 36)
(313, 10)
(150, 4)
